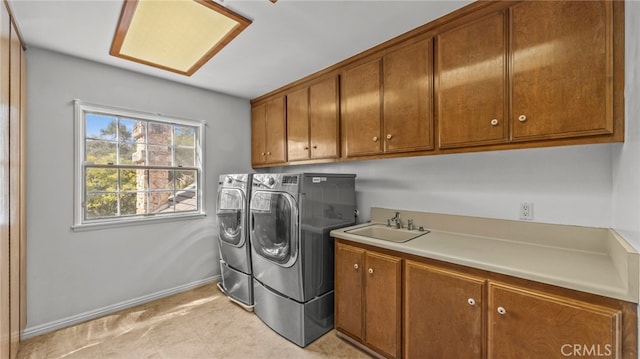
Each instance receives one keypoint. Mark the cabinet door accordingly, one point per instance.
(526, 324)
(5, 269)
(361, 112)
(562, 69)
(407, 98)
(15, 184)
(471, 86)
(298, 125)
(382, 303)
(442, 313)
(349, 280)
(258, 135)
(276, 130)
(324, 118)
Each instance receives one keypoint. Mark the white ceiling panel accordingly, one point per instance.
(286, 41)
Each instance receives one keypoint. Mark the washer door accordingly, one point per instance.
(274, 227)
(231, 216)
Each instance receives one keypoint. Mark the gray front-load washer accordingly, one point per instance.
(292, 251)
(235, 253)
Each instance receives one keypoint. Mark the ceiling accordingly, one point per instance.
(286, 41)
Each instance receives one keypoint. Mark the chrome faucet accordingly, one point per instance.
(395, 220)
(410, 224)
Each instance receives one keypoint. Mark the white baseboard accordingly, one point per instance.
(30, 332)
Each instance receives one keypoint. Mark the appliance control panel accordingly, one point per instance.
(284, 182)
(233, 180)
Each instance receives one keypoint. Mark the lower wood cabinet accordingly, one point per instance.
(367, 298)
(349, 285)
(526, 324)
(382, 303)
(451, 311)
(442, 313)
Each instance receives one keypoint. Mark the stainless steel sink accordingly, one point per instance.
(380, 231)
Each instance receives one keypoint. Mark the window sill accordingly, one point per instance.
(118, 223)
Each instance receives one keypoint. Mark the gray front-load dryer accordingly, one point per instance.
(235, 252)
(291, 216)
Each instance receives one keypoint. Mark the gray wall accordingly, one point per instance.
(72, 274)
(567, 185)
(626, 165)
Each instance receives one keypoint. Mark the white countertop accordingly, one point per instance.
(592, 260)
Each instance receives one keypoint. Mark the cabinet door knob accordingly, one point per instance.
(494, 122)
(306, 148)
(263, 153)
(522, 118)
(370, 270)
(471, 301)
(389, 136)
(375, 138)
(314, 146)
(502, 311)
(355, 266)
(268, 153)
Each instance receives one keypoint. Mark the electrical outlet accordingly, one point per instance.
(526, 210)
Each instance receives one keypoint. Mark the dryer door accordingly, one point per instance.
(274, 227)
(231, 216)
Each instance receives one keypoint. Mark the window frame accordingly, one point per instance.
(79, 221)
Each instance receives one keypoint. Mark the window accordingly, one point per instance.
(133, 166)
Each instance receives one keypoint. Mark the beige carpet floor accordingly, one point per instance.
(200, 323)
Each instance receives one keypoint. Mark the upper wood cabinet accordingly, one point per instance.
(361, 109)
(407, 108)
(268, 131)
(313, 116)
(298, 125)
(492, 75)
(562, 69)
(471, 83)
(523, 322)
(387, 102)
(442, 313)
